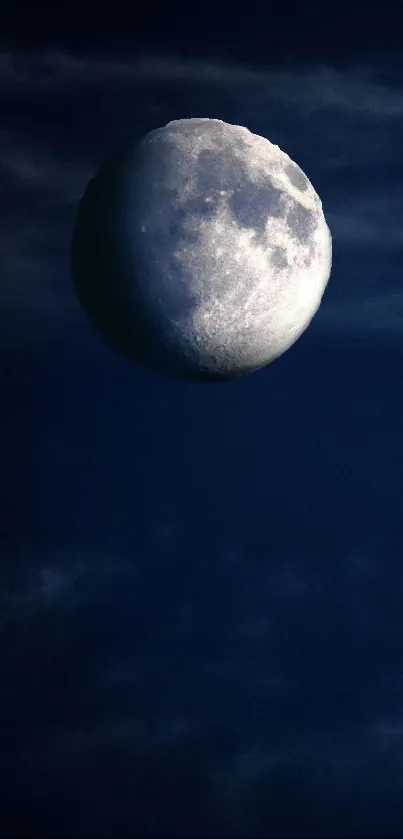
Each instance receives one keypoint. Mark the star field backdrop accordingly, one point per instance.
(201, 586)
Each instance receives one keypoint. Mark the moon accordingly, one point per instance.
(201, 251)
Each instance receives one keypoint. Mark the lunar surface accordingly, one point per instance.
(201, 251)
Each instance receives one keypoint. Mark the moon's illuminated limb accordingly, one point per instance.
(201, 251)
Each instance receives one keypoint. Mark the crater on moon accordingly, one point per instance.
(254, 204)
(302, 222)
(278, 257)
(296, 176)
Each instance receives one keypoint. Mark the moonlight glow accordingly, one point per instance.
(201, 251)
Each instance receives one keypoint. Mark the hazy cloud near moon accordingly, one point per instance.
(45, 164)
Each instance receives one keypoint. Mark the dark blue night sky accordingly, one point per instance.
(201, 586)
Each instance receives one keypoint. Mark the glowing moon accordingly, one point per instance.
(201, 251)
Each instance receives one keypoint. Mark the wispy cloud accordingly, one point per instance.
(145, 693)
(356, 89)
(344, 126)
